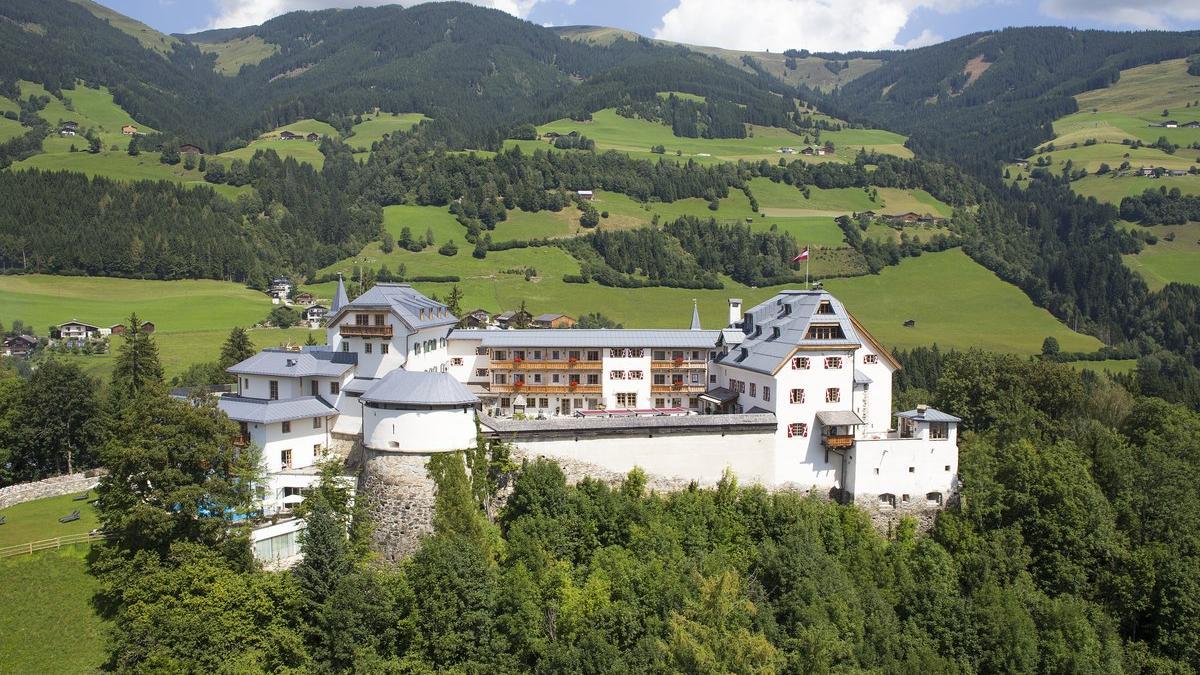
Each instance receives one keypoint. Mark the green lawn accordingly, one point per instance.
(38, 519)
(610, 131)
(1122, 366)
(10, 129)
(233, 54)
(48, 624)
(118, 165)
(1113, 189)
(193, 317)
(956, 303)
(1126, 111)
(374, 126)
(302, 150)
(1168, 261)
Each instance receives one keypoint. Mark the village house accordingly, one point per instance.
(552, 321)
(129, 130)
(1170, 124)
(312, 136)
(814, 150)
(191, 149)
(478, 318)
(512, 318)
(289, 136)
(314, 315)
(304, 298)
(1194, 124)
(585, 195)
(1147, 171)
(903, 218)
(787, 150)
(280, 288)
(75, 330)
(18, 345)
(793, 393)
(67, 131)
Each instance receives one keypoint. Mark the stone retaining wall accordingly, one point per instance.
(50, 487)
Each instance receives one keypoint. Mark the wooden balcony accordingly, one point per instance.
(672, 364)
(545, 389)
(546, 365)
(677, 389)
(354, 330)
(837, 442)
(241, 440)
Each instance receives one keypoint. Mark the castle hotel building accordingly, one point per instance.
(793, 392)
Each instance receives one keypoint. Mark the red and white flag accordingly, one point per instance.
(803, 255)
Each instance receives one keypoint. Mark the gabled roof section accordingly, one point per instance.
(928, 415)
(412, 307)
(285, 363)
(262, 411)
(773, 330)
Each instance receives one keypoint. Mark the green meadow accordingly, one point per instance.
(610, 131)
(955, 301)
(10, 129)
(38, 519)
(192, 317)
(376, 125)
(1131, 109)
(1169, 261)
(118, 165)
(233, 54)
(49, 625)
(300, 149)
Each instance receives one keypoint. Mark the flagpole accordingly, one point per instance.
(806, 259)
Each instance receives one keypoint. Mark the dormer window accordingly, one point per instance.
(825, 332)
(824, 307)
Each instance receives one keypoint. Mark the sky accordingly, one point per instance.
(776, 25)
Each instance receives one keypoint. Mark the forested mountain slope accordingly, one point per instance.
(990, 96)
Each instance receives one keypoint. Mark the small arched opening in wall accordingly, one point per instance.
(887, 500)
(933, 499)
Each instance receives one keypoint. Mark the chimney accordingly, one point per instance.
(921, 408)
(735, 310)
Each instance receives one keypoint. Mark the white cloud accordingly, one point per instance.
(1164, 14)
(926, 38)
(236, 13)
(817, 25)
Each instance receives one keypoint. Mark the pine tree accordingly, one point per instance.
(137, 369)
(326, 558)
(237, 348)
(454, 300)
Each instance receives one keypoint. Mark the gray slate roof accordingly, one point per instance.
(839, 418)
(503, 426)
(263, 411)
(411, 388)
(548, 317)
(720, 395)
(773, 329)
(339, 298)
(593, 337)
(307, 363)
(410, 305)
(696, 317)
(930, 415)
(861, 378)
(359, 385)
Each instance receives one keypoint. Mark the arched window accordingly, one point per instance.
(887, 499)
(933, 499)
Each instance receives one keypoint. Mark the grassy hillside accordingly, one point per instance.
(193, 317)
(610, 131)
(48, 624)
(234, 53)
(38, 519)
(302, 150)
(145, 35)
(955, 303)
(375, 125)
(1131, 110)
(810, 71)
(1168, 261)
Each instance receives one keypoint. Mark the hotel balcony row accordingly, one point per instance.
(545, 389)
(561, 364)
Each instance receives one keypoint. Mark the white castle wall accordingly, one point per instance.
(418, 431)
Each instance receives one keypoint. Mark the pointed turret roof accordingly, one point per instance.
(339, 299)
(695, 315)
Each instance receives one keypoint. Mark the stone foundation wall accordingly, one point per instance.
(399, 493)
(886, 518)
(50, 487)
